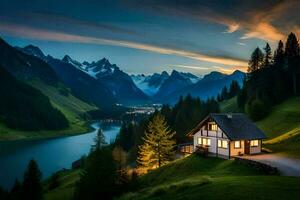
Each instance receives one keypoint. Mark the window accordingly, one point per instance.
(206, 141)
(237, 144)
(213, 127)
(199, 140)
(254, 143)
(222, 144)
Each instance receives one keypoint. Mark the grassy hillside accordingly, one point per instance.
(64, 191)
(211, 178)
(229, 105)
(282, 127)
(72, 107)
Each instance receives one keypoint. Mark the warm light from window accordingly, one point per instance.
(237, 144)
(214, 127)
(206, 141)
(219, 143)
(199, 141)
(222, 144)
(254, 143)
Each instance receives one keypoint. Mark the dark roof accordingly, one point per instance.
(235, 125)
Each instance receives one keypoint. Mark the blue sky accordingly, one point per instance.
(151, 36)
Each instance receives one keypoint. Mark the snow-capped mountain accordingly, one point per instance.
(150, 84)
(110, 75)
(102, 74)
(33, 51)
(68, 59)
(161, 84)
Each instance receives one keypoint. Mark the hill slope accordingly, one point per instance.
(282, 127)
(23, 107)
(211, 178)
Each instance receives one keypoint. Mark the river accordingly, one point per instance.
(50, 154)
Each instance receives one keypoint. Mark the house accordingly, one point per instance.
(227, 135)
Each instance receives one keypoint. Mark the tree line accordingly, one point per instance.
(271, 78)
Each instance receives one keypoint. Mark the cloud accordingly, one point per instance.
(268, 20)
(241, 43)
(41, 34)
(191, 67)
(232, 28)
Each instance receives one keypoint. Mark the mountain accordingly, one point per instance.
(150, 84)
(33, 50)
(176, 81)
(209, 86)
(34, 71)
(23, 107)
(82, 85)
(24, 66)
(109, 75)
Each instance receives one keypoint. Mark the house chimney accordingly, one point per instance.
(229, 115)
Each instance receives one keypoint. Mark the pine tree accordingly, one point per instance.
(256, 60)
(279, 54)
(32, 186)
(158, 146)
(268, 55)
(99, 141)
(292, 46)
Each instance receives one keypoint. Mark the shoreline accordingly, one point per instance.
(47, 134)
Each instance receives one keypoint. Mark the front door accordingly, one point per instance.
(247, 147)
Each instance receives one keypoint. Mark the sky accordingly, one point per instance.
(150, 36)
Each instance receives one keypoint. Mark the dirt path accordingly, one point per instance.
(287, 166)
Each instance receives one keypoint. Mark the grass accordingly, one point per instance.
(72, 107)
(229, 105)
(211, 178)
(65, 190)
(282, 127)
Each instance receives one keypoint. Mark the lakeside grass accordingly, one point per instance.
(72, 107)
(212, 178)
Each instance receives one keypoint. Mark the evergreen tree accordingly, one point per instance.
(292, 53)
(32, 186)
(158, 146)
(268, 55)
(292, 46)
(256, 60)
(99, 140)
(98, 179)
(279, 54)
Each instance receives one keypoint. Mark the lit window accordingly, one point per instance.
(237, 144)
(219, 143)
(213, 127)
(199, 141)
(222, 144)
(254, 143)
(206, 141)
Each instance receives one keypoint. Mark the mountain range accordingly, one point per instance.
(104, 84)
(167, 88)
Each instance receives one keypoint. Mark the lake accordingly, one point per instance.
(50, 154)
